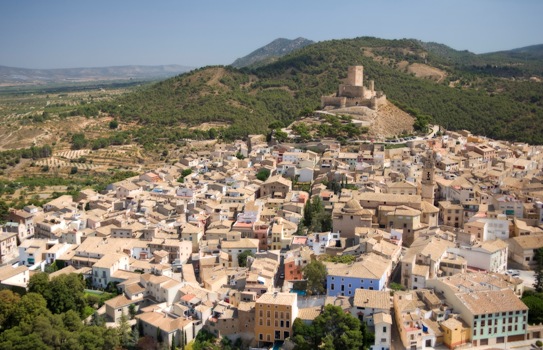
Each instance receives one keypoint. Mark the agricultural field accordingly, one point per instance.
(37, 157)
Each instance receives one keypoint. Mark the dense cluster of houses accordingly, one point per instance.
(222, 250)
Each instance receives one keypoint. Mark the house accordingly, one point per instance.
(522, 249)
(31, 253)
(383, 331)
(367, 303)
(274, 316)
(414, 318)
(422, 261)
(11, 277)
(490, 256)
(348, 217)
(169, 328)
(276, 186)
(234, 248)
(103, 271)
(494, 315)
(8, 247)
(370, 273)
(120, 305)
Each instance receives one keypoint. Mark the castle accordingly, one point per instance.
(354, 93)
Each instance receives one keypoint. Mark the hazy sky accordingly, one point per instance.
(94, 33)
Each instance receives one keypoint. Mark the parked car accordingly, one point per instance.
(513, 273)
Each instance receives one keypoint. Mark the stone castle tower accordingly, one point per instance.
(355, 75)
(428, 183)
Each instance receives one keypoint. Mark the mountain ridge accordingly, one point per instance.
(271, 52)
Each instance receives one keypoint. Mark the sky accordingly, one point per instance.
(97, 33)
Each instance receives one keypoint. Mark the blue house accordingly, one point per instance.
(371, 272)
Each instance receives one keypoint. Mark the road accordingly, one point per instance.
(528, 278)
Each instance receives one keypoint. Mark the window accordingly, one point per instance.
(384, 329)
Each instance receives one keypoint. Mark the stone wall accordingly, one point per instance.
(351, 91)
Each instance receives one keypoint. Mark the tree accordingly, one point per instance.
(113, 124)
(184, 174)
(333, 329)
(66, 292)
(79, 141)
(538, 284)
(535, 306)
(242, 257)
(8, 305)
(263, 174)
(73, 170)
(39, 283)
(132, 310)
(123, 330)
(315, 274)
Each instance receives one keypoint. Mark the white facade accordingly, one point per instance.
(486, 256)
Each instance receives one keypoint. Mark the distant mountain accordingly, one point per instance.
(18, 76)
(533, 53)
(271, 52)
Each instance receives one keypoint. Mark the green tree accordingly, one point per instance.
(538, 284)
(123, 330)
(315, 274)
(333, 329)
(8, 305)
(242, 257)
(71, 321)
(205, 341)
(79, 141)
(280, 135)
(114, 124)
(132, 310)
(67, 293)
(39, 283)
(263, 174)
(535, 306)
(29, 307)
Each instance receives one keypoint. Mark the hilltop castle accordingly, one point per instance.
(354, 93)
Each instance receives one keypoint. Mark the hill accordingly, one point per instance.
(10, 76)
(271, 52)
(505, 106)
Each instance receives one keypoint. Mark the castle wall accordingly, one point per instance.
(353, 102)
(378, 100)
(333, 101)
(351, 91)
(355, 75)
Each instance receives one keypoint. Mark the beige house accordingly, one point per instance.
(348, 217)
(170, 328)
(522, 249)
(451, 214)
(276, 186)
(234, 248)
(274, 315)
(14, 276)
(401, 188)
(8, 247)
(367, 303)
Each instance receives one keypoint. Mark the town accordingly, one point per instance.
(417, 241)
